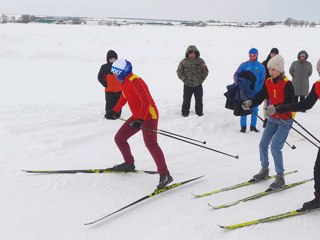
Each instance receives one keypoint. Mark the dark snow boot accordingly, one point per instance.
(165, 179)
(278, 183)
(264, 173)
(254, 129)
(313, 204)
(243, 129)
(125, 167)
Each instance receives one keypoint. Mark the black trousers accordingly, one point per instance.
(111, 100)
(198, 95)
(316, 174)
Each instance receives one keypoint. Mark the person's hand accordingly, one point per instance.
(136, 123)
(246, 105)
(112, 115)
(270, 110)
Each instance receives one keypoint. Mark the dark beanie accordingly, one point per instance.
(274, 50)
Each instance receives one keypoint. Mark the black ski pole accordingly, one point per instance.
(303, 128)
(299, 133)
(174, 134)
(190, 142)
(292, 147)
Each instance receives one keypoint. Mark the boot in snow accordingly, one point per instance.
(165, 179)
(264, 173)
(278, 183)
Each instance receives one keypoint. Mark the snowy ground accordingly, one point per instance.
(52, 105)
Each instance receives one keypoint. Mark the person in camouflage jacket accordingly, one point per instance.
(192, 71)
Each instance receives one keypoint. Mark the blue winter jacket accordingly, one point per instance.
(257, 69)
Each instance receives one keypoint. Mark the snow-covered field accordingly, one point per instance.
(52, 109)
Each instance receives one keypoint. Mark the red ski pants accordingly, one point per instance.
(150, 140)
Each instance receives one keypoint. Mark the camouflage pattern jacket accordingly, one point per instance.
(192, 72)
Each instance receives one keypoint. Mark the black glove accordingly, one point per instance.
(111, 115)
(281, 109)
(136, 123)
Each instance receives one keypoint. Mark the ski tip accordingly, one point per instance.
(213, 207)
(193, 179)
(195, 195)
(220, 226)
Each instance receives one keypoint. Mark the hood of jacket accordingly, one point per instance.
(111, 54)
(303, 52)
(192, 48)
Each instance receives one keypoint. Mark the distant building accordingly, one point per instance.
(46, 20)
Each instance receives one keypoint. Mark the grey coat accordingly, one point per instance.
(300, 72)
(192, 72)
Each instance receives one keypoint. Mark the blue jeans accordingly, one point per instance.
(243, 119)
(276, 133)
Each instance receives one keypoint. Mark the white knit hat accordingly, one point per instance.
(277, 62)
(118, 66)
(318, 66)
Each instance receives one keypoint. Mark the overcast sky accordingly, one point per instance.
(224, 10)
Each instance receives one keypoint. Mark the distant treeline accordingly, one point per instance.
(26, 18)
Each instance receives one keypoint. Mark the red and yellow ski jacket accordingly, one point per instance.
(279, 91)
(276, 93)
(317, 88)
(136, 93)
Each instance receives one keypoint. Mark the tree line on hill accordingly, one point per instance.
(26, 18)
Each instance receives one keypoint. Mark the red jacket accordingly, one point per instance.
(276, 93)
(136, 93)
(317, 88)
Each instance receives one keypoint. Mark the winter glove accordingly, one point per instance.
(270, 110)
(136, 123)
(112, 115)
(281, 109)
(246, 105)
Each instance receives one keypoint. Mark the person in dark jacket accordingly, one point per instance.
(108, 80)
(192, 71)
(273, 52)
(279, 90)
(300, 71)
(306, 104)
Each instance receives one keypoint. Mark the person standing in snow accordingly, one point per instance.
(301, 70)
(258, 70)
(279, 90)
(192, 71)
(306, 104)
(112, 85)
(144, 117)
(273, 52)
